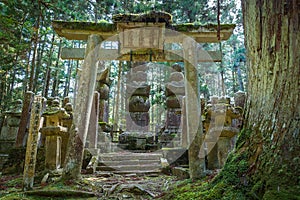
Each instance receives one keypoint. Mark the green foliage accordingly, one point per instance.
(282, 194)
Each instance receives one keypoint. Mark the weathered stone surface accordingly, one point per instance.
(240, 99)
(104, 91)
(137, 121)
(184, 136)
(138, 90)
(82, 110)
(139, 76)
(139, 104)
(173, 118)
(193, 109)
(32, 144)
(212, 155)
(156, 54)
(53, 152)
(92, 138)
(9, 133)
(201, 33)
(174, 101)
(224, 147)
(175, 88)
(176, 76)
(103, 110)
(181, 173)
(137, 140)
(214, 99)
(103, 76)
(176, 67)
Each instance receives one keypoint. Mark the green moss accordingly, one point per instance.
(235, 167)
(281, 194)
(243, 136)
(152, 16)
(102, 123)
(102, 26)
(186, 27)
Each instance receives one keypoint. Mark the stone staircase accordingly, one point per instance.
(128, 162)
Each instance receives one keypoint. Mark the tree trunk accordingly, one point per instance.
(48, 70)
(271, 136)
(27, 70)
(117, 102)
(68, 78)
(41, 50)
(56, 76)
(35, 39)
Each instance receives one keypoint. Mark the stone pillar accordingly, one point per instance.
(86, 87)
(66, 122)
(184, 137)
(224, 147)
(32, 144)
(82, 110)
(93, 125)
(193, 109)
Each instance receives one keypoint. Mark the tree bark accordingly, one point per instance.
(271, 136)
(41, 50)
(48, 70)
(117, 102)
(35, 39)
(56, 76)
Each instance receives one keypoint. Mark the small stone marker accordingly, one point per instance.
(32, 144)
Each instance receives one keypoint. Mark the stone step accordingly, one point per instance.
(128, 168)
(128, 162)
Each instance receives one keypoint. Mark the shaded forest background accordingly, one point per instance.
(30, 49)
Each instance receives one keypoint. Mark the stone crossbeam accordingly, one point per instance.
(158, 55)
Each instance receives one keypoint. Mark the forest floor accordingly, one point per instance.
(96, 186)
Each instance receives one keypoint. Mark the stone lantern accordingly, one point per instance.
(10, 127)
(55, 135)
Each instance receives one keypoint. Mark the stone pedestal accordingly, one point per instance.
(56, 135)
(220, 130)
(175, 91)
(240, 99)
(102, 87)
(92, 138)
(53, 152)
(9, 131)
(212, 156)
(224, 147)
(138, 101)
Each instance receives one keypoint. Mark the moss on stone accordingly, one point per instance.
(152, 16)
(190, 27)
(102, 26)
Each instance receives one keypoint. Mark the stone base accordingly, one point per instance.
(137, 140)
(6, 145)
